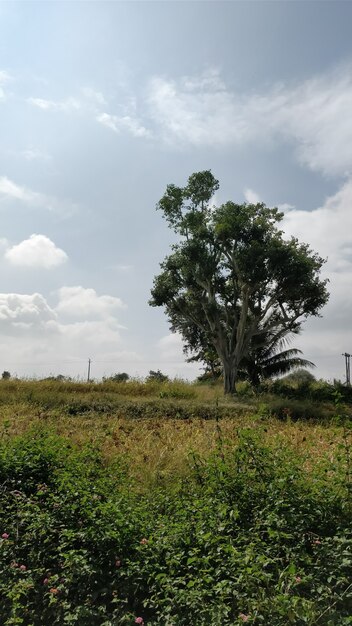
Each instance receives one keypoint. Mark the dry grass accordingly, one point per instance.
(158, 450)
(155, 448)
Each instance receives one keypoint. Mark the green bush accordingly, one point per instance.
(247, 536)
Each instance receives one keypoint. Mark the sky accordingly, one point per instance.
(102, 104)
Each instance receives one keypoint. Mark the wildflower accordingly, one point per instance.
(117, 563)
(316, 542)
(45, 581)
(5, 536)
(298, 579)
(143, 542)
(244, 617)
(139, 620)
(23, 568)
(54, 590)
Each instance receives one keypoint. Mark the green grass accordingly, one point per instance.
(213, 513)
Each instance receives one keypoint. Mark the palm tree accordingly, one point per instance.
(268, 356)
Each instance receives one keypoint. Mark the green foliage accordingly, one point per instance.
(156, 376)
(231, 271)
(300, 376)
(120, 377)
(304, 388)
(246, 537)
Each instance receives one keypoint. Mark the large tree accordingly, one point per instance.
(268, 355)
(233, 272)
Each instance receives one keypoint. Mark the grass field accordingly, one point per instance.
(170, 504)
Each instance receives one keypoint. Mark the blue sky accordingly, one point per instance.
(102, 104)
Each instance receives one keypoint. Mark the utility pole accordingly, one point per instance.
(88, 377)
(348, 367)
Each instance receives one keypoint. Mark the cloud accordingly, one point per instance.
(38, 338)
(126, 123)
(91, 102)
(172, 358)
(11, 191)
(200, 111)
(327, 230)
(5, 77)
(81, 302)
(20, 313)
(285, 206)
(37, 251)
(314, 116)
(32, 154)
(121, 267)
(95, 96)
(251, 196)
(66, 106)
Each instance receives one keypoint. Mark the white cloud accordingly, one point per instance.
(12, 190)
(5, 77)
(251, 196)
(21, 312)
(170, 345)
(66, 106)
(172, 359)
(198, 111)
(327, 230)
(120, 267)
(125, 122)
(9, 190)
(285, 206)
(314, 115)
(95, 96)
(37, 251)
(36, 338)
(110, 121)
(33, 154)
(81, 302)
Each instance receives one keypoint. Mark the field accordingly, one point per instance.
(169, 504)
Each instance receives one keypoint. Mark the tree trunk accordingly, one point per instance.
(230, 374)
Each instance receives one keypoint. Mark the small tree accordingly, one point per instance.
(300, 376)
(157, 376)
(120, 377)
(5, 375)
(233, 272)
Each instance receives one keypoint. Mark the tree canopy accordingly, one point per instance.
(232, 273)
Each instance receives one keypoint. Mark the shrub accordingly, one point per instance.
(247, 534)
(157, 376)
(121, 377)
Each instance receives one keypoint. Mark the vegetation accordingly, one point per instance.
(157, 376)
(120, 377)
(108, 519)
(232, 276)
(265, 359)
